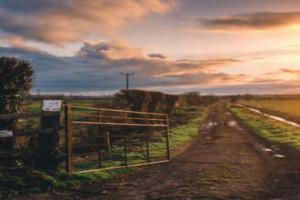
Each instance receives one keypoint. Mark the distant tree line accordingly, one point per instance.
(195, 99)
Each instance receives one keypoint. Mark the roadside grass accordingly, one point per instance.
(29, 180)
(272, 130)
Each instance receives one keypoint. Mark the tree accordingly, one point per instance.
(15, 83)
(192, 98)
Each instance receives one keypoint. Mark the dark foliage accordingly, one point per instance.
(15, 83)
(148, 101)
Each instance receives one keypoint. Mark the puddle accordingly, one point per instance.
(279, 156)
(232, 123)
(267, 149)
(211, 124)
(207, 127)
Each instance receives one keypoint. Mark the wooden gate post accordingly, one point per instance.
(99, 138)
(68, 137)
(107, 142)
(7, 142)
(126, 151)
(147, 148)
(48, 155)
(168, 138)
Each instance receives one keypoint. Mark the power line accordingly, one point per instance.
(255, 55)
(127, 74)
(267, 51)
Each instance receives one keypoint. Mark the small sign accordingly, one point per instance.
(6, 134)
(52, 105)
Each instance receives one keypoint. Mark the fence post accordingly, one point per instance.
(168, 138)
(125, 151)
(48, 141)
(68, 137)
(147, 146)
(99, 136)
(7, 142)
(98, 119)
(107, 142)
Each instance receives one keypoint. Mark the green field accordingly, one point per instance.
(36, 105)
(269, 129)
(288, 109)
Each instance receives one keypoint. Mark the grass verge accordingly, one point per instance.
(269, 129)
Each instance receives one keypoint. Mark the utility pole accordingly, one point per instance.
(128, 74)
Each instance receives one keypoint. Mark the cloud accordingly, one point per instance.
(187, 66)
(55, 21)
(115, 50)
(253, 21)
(157, 55)
(20, 43)
(290, 71)
(93, 71)
(97, 67)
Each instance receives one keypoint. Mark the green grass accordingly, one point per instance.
(269, 129)
(178, 135)
(185, 133)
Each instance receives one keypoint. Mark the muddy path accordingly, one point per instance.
(224, 162)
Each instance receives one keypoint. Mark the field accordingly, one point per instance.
(36, 105)
(288, 109)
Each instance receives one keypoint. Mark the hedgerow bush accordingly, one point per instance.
(147, 101)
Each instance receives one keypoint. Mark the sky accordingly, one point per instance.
(174, 46)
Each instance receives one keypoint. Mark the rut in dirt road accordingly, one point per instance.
(223, 162)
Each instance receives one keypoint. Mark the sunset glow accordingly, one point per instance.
(210, 46)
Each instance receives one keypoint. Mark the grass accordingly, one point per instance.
(178, 135)
(269, 129)
(28, 180)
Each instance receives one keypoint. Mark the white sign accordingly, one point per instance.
(52, 105)
(5, 134)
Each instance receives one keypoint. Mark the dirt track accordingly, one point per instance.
(226, 162)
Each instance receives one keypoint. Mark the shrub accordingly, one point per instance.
(148, 101)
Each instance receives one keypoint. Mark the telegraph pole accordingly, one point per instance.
(128, 74)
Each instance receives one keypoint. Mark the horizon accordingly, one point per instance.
(173, 46)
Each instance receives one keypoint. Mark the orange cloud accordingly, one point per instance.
(253, 21)
(74, 20)
(115, 50)
(20, 43)
(291, 71)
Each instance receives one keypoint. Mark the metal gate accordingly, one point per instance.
(110, 139)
